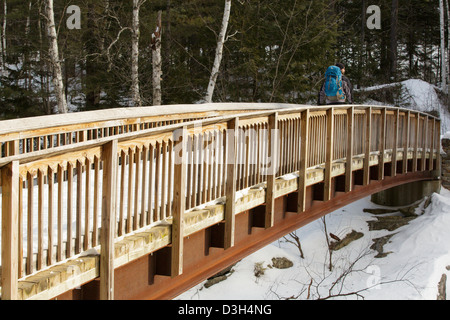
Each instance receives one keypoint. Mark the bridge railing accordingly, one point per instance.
(61, 201)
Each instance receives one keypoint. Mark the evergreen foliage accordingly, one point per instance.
(276, 50)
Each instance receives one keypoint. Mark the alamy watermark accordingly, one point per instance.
(374, 20)
(374, 280)
(74, 19)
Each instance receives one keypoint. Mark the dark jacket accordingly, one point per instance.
(348, 91)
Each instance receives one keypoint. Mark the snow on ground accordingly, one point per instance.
(420, 255)
(417, 95)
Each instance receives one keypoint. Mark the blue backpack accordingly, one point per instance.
(333, 85)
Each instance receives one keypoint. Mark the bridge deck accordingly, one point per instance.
(312, 165)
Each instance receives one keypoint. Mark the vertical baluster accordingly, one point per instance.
(40, 219)
(432, 146)
(30, 223)
(195, 171)
(79, 198)
(304, 160)
(205, 168)
(382, 145)
(69, 209)
(258, 153)
(210, 166)
(151, 178)
(215, 155)
(131, 182)
(219, 159)
(406, 142)
(416, 141)
(349, 155)
(224, 162)
(329, 154)
(137, 188)
(87, 205)
(170, 177)
(143, 220)
(189, 182)
(199, 169)
(59, 252)
(396, 128)
(164, 181)
(424, 143)
(96, 201)
(157, 188)
(368, 144)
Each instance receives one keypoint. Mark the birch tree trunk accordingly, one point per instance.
(135, 29)
(219, 52)
(443, 60)
(54, 58)
(448, 40)
(3, 41)
(157, 62)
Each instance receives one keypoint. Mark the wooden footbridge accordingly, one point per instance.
(145, 203)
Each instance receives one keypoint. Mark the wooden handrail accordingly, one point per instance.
(153, 175)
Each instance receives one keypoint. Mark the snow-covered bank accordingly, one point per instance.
(416, 95)
(420, 254)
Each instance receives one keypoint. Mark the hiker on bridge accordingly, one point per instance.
(337, 88)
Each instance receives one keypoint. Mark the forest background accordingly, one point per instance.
(274, 50)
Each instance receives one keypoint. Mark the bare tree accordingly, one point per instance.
(393, 40)
(54, 57)
(295, 240)
(135, 29)
(157, 62)
(443, 60)
(219, 52)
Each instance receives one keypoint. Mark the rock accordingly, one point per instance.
(259, 270)
(349, 238)
(442, 288)
(214, 281)
(282, 263)
(378, 245)
(380, 211)
(389, 223)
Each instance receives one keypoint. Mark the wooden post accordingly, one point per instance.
(425, 142)
(406, 143)
(432, 145)
(272, 170)
(395, 148)
(382, 145)
(179, 200)
(416, 144)
(349, 165)
(366, 179)
(230, 219)
(329, 154)
(438, 149)
(110, 163)
(304, 142)
(10, 229)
